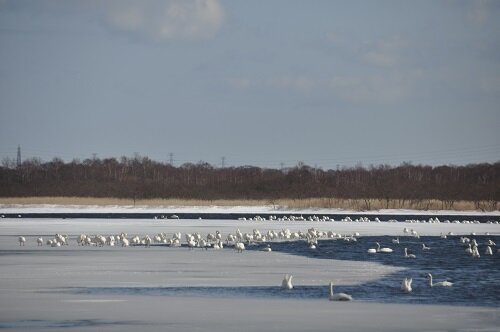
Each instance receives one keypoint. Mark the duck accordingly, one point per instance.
(338, 296)
(438, 284)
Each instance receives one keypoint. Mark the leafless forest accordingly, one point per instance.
(142, 178)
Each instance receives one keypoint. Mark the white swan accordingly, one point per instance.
(409, 255)
(39, 241)
(396, 240)
(22, 240)
(287, 282)
(406, 285)
(338, 296)
(424, 247)
(239, 246)
(383, 250)
(488, 251)
(267, 248)
(439, 284)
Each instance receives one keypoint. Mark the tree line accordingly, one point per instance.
(142, 178)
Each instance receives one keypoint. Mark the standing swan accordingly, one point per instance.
(287, 282)
(406, 285)
(440, 284)
(22, 240)
(338, 296)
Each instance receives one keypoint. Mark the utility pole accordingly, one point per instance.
(18, 156)
(171, 158)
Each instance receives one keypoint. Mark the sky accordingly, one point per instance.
(268, 83)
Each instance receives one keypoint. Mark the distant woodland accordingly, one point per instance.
(143, 178)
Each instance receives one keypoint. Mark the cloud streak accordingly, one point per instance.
(163, 20)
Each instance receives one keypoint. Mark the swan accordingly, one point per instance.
(287, 282)
(396, 240)
(22, 240)
(240, 246)
(409, 255)
(338, 296)
(406, 285)
(383, 250)
(424, 247)
(267, 248)
(440, 284)
(475, 252)
(39, 241)
(488, 251)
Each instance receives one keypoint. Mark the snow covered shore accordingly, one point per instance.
(48, 208)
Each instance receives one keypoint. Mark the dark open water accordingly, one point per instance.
(476, 280)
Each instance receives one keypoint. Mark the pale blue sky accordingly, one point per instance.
(260, 82)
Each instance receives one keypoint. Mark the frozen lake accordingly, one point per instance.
(131, 288)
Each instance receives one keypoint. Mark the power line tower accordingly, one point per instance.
(18, 156)
(171, 158)
(223, 162)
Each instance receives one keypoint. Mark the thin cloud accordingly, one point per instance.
(385, 53)
(163, 20)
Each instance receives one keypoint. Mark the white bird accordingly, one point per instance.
(424, 247)
(406, 285)
(287, 282)
(475, 252)
(396, 240)
(239, 246)
(409, 255)
(383, 250)
(267, 248)
(39, 241)
(338, 296)
(440, 284)
(22, 240)
(488, 251)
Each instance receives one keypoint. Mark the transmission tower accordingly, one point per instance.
(18, 155)
(223, 162)
(171, 158)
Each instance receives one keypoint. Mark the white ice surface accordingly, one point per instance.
(48, 208)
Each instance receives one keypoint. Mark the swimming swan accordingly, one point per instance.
(338, 296)
(383, 250)
(406, 285)
(287, 282)
(440, 284)
(409, 255)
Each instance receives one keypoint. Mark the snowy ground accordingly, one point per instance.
(48, 208)
(34, 282)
